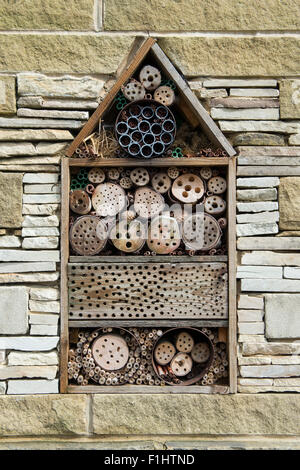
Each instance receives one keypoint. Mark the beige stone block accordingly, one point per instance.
(270, 285)
(38, 102)
(247, 56)
(289, 203)
(251, 349)
(294, 139)
(43, 330)
(14, 309)
(47, 14)
(265, 194)
(186, 414)
(19, 372)
(11, 191)
(284, 127)
(257, 382)
(46, 53)
(43, 319)
(40, 209)
(32, 387)
(285, 359)
(250, 113)
(50, 306)
(32, 359)
(246, 338)
(293, 381)
(251, 328)
(270, 258)
(255, 92)
(200, 16)
(269, 243)
(290, 99)
(268, 170)
(44, 293)
(270, 371)
(16, 135)
(257, 138)
(250, 302)
(282, 316)
(28, 277)
(253, 361)
(7, 94)
(250, 315)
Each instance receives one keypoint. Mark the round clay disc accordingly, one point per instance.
(128, 236)
(161, 182)
(164, 352)
(108, 199)
(148, 202)
(84, 235)
(184, 342)
(188, 188)
(96, 175)
(206, 172)
(214, 205)
(181, 364)
(163, 235)
(140, 176)
(113, 174)
(201, 232)
(110, 352)
(173, 172)
(217, 185)
(200, 352)
(80, 202)
(125, 182)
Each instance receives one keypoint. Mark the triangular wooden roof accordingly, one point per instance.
(189, 104)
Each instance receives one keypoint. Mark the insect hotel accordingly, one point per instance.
(148, 241)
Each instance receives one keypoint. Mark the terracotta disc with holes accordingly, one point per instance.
(80, 202)
(217, 185)
(164, 95)
(140, 176)
(188, 188)
(163, 235)
(110, 352)
(200, 352)
(148, 202)
(96, 175)
(206, 172)
(125, 182)
(173, 172)
(128, 236)
(108, 199)
(181, 364)
(214, 205)
(201, 232)
(164, 352)
(85, 233)
(113, 174)
(161, 182)
(184, 342)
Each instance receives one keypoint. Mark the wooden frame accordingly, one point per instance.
(231, 259)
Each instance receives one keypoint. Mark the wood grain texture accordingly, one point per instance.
(155, 162)
(144, 389)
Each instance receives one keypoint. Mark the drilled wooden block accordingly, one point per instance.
(147, 291)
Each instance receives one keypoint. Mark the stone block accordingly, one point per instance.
(19, 372)
(270, 258)
(187, 414)
(2, 356)
(32, 387)
(267, 151)
(10, 241)
(7, 94)
(251, 328)
(32, 359)
(40, 243)
(48, 15)
(40, 178)
(269, 243)
(28, 343)
(250, 103)
(32, 221)
(47, 53)
(270, 349)
(19, 135)
(43, 319)
(41, 198)
(289, 203)
(285, 359)
(295, 381)
(257, 382)
(238, 83)
(266, 182)
(205, 94)
(279, 170)
(257, 206)
(270, 371)
(192, 16)
(250, 113)
(19, 122)
(52, 113)
(14, 310)
(250, 315)
(255, 92)
(44, 306)
(268, 194)
(253, 361)
(26, 149)
(294, 139)
(11, 191)
(42, 209)
(28, 277)
(291, 273)
(257, 138)
(291, 127)
(258, 218)
(40, 232)
(2, 388)
(270, 285)
(38, 102)
(290, 99)
(43, 330)
(248, 339)
(27, 267)
(248, 230)
(259, 272)
(250, 302)
(44, 293)
(23, 255)
(282, 316)
(42, 188)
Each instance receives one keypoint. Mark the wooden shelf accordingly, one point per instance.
(148, 259)
(154, 162)
(118, 389)
(151, 323)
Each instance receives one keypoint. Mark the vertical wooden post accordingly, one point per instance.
(64, 255)
(231, 201)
